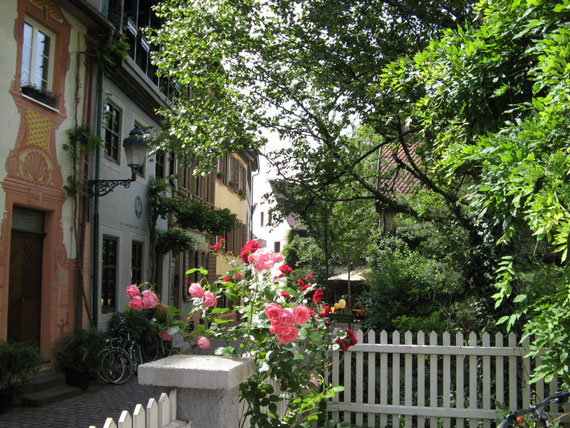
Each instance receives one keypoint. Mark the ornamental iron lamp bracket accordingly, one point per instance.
(135, 150)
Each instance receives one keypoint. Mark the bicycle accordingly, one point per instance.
(122, 356)
(539, 415)
(114, 363)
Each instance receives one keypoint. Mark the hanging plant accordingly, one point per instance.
(173, 240)
(109, 51)
(81, 142)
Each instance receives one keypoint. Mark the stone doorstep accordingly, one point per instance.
(44, 380)
(50, 395)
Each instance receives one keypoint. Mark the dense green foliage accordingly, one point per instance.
(18, 362)
(473, 104)
(189, 214)
(79, 348)
(491, 107)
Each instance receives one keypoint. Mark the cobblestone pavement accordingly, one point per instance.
(91, 407)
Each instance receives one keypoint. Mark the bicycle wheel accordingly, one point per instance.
(114, 366)
(149, 349)
(165, 348)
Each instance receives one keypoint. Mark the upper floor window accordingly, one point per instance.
(112, 127)
(37, 63)
(160, 164)
(141, 169)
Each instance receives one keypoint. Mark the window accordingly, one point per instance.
(37, 63)
(139, 14)
(160, 164)
(109, 275)
(276, 246)
(141, 169)
(112, 126)
(136, 262)
(36, 54)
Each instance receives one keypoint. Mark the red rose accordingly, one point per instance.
(285, 294)
(325, 312)
(249, 248)
(226, 279)
(285, 269)
(300, 282)
(164, 335)
(304, 287)
(309, 277)
(318, 296)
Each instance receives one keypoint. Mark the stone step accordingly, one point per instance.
(50, 395)
(44, 380)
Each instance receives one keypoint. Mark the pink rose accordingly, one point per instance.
(196, 290)
(164, 335)
(149, 299)
(132, 291)
(239, 275)
(287, 317)
(273, 311)
(136, 303)
(314, 381)
(287, 335)
(302, 315)
(210, 300)
(204, 343)
(285, 320)
(277, 257)
(262, 259)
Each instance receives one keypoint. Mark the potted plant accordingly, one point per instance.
(18, 362)
(76, 354)
(40, 94)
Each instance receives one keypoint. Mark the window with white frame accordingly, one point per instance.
(141, 169)
(37, 62)
(112, 132)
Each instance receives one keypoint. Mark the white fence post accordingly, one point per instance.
(208, 386)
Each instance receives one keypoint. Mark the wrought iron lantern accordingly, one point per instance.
(135, 150)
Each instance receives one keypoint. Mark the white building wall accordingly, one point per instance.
(125, 213)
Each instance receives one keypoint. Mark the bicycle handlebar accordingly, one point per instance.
(559, 397)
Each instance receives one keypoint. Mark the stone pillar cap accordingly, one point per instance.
(196, 371)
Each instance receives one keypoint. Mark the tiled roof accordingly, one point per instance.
(393, 177)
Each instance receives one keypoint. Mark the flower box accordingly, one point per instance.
(42, 95)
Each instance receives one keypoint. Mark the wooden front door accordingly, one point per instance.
(25, 288)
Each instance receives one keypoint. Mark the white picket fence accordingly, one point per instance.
(156, 414)
(434, 383)
(281, 405)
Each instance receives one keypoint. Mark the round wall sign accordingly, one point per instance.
(138, 207)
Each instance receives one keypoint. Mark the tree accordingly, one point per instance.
(475, 107)
(495, 113)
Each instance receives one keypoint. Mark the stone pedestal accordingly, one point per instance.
(208, 386)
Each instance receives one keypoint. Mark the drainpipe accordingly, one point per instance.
(95, 220)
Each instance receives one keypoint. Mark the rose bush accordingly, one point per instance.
(283, 326)
(163, 318)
